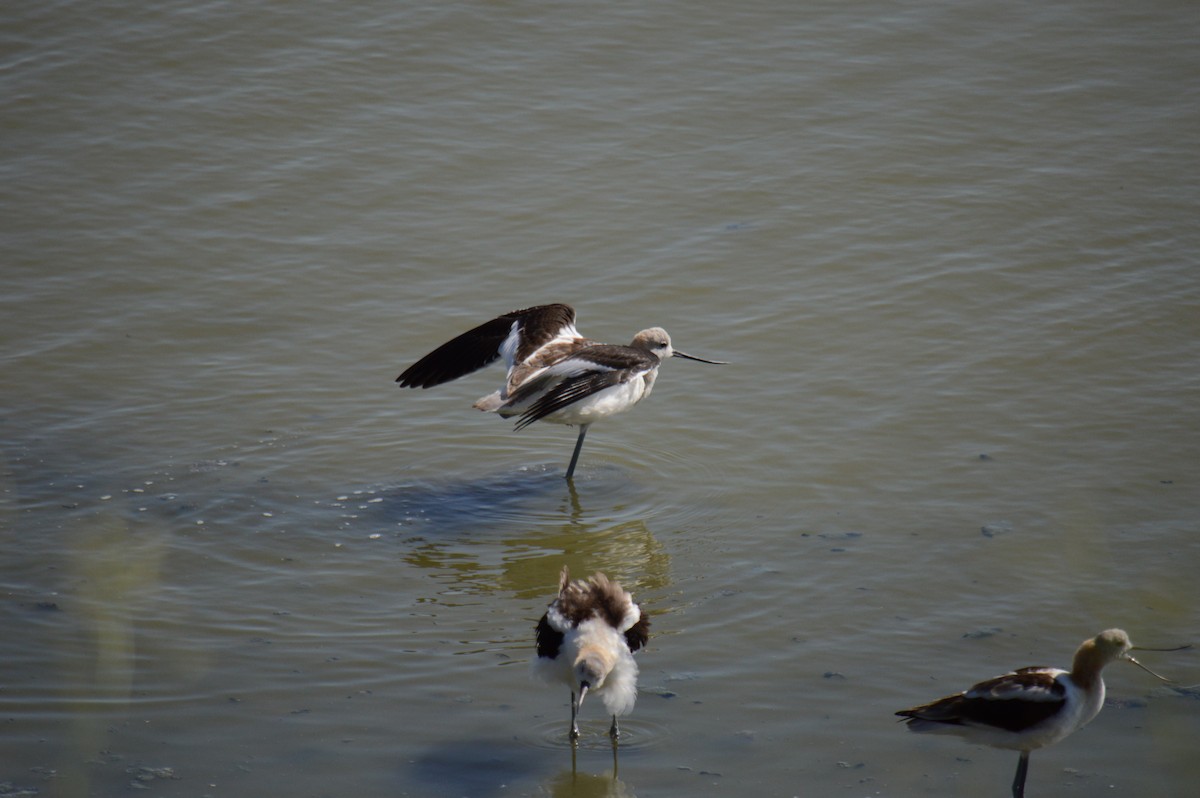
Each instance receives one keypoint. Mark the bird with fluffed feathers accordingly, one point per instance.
(586, 639)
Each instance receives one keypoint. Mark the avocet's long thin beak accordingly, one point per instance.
(582, 692)
(1147, 670)
(1176, 648)
(677, 353)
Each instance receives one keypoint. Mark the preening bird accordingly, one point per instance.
(586, 640)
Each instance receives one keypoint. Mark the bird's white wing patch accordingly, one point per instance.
(558, 621)
(508, 349)
(633, 614)
(573, 367)
(1027, 684)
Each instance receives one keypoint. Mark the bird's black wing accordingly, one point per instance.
(540, 325)
(1014, 702)
(637, 635)
(549, 639)
(480, 346)
(460, 356)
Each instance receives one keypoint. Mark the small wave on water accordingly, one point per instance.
(636, 733)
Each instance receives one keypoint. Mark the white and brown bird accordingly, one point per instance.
(586, 640)
(554, 373)
(1029, 708)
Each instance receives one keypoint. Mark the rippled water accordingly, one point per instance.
(949, 252)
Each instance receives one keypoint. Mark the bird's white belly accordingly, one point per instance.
(602, 404)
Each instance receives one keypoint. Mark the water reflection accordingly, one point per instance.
(484, 767)
(514, 532)
(116, 570)
(573, 784)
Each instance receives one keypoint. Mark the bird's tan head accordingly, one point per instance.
(1109, 646)
(655, 341)
(1112, 644)
(591, 667)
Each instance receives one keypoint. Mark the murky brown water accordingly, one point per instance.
(950, 253)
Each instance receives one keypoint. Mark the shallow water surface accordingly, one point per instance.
(949, 252)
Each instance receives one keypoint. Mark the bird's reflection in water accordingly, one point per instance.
(573, 784)
(514, 533)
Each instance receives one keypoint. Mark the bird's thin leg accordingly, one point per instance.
(613, 731)
(583, 428)
(574, 735)
(1019, 779)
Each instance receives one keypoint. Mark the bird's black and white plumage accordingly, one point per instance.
(554, 373)
(1028, 708)
(586, 640)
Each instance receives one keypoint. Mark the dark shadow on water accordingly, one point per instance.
(514, 497)
(474, 767)
(495, 499)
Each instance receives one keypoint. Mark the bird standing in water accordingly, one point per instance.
(586, 640)
(1029, 708)
(554, 373)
